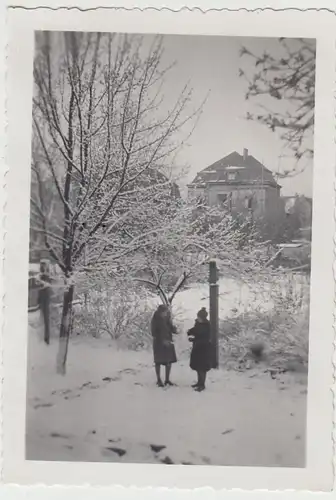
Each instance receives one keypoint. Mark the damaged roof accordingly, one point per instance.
(245, 169)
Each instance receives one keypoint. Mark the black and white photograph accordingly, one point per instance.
(170, 235)
(172, 303)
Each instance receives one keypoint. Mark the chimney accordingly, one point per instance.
(245, 154)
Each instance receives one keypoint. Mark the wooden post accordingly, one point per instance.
(44, 297)
(213, 307)
(85, 292)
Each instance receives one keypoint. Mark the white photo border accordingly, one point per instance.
(318, 474)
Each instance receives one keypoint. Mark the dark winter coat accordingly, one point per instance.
(163, 346)
(200, 357)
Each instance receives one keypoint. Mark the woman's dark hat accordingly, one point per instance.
(162, 307)
(202, 313)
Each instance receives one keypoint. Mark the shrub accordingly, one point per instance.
(277, 336)
(119, 311)
(279, 340)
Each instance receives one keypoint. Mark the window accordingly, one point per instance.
(232, 176)
(248, 202)
(225, 199)
(222, 198)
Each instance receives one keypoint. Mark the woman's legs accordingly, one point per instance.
(201, 385)
(168, 370)
(167, 374)
(204, 378)
(198, 381)
(158, 374)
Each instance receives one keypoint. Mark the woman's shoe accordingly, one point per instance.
(195, 385)
(168, 382)
(159, 383)
(200, 388)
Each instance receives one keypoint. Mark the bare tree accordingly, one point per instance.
(99, 136)
(288, 76)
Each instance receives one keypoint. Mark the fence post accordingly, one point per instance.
(213, 307)
(44, 297)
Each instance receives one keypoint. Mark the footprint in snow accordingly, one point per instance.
(87, 384)
(59, 435)
(129, 370)
(167, 460)
(228, 431)
(111, 379)
(119, 451)
(43, 405)
(157, 447)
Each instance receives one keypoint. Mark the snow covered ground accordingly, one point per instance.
(108, 408)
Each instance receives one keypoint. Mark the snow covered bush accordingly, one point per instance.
(120, 311)
(278, 336)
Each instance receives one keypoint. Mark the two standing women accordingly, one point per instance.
(164, 350)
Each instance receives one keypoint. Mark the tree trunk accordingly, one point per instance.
(65, 330)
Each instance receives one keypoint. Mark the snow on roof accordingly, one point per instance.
(250, 171)
(232, 167)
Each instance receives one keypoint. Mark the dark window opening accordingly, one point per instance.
(225, 200)
(248, 202)
(222, 198)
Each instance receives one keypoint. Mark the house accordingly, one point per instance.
(239, 182)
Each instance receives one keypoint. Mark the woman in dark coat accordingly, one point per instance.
(200, 358)
(163, 346)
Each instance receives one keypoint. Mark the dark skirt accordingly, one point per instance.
(200, 358)
(164, 353)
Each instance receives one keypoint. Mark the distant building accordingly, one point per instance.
(239, 182)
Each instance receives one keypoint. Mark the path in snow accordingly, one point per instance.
(107, 408)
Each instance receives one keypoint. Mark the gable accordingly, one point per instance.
(236, 168)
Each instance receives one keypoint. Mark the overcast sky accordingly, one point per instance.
(212, 64)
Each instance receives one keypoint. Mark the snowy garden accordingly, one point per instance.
(108, 213)
(108, 408)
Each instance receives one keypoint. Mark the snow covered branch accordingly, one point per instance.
(102, 143)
